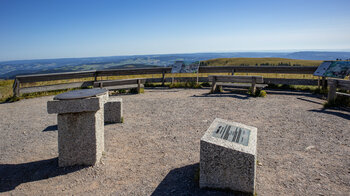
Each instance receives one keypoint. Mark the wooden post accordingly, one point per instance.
(15, 87)
(163, 78)
(138, 86)
(95, 75)
(324, 85)
(318, 82)
(233, 72)
(213, 85)
(253, 85)
(197, 76)
(332, 90)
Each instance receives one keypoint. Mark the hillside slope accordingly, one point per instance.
(260, 61)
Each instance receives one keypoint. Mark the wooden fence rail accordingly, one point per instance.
(336, 83)
(17, 90)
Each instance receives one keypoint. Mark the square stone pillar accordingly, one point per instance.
(80, 123)
(113, 110)
(228, 157)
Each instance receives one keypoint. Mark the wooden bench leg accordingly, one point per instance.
(213, 86)
(163, 78)
(138, 86)
(253, 90)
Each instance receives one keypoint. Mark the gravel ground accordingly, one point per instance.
(303, 149)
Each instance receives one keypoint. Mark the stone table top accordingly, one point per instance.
(80, 94)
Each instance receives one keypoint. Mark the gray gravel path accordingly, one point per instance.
(303, 149)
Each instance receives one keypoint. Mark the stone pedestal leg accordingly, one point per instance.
(80, 138)
(113, 110)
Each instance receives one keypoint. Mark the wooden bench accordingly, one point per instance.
(334, 84)
(220, 80)
(111, 85)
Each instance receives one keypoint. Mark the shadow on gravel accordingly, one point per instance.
(51, 128)
(289, 92)
(12, 175)
(308, 100)
(184, 181)
(341, 114)
(216, 95)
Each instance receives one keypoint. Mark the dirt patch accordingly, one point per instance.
(302, 148)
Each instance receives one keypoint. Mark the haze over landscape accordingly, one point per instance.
(181, 97)
(58, 36)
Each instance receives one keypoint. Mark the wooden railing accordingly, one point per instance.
(18, 90)
(336, 83)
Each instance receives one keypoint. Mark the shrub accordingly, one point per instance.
(258, 93)
(121, 91)
(206, 84)
(320, 91)
(134, 90)
(262, 93)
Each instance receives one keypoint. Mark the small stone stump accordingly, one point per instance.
(228, 156)
(80, 123)
(114, 110)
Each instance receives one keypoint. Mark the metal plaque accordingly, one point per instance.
(185, 67)
(232, 133)
(334, 69)
(321, 70)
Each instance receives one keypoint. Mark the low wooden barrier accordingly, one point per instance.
(253, 80)
(334, 84)
(18, 90)
(121, 84)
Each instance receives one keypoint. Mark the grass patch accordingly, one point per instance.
(38, 94)
(185, 85)
(259, 62)
(47, 93)
(5, 90)
(153, 85)
(312, 89)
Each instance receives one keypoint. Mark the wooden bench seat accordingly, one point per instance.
(121, 84)
(240, 85)
(239, 81)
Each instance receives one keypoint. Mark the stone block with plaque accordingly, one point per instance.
(228, 156)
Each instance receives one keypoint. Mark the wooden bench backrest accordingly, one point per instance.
(238, 79)
(118, 82)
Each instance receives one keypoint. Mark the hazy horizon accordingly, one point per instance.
(80, 29)
(218, 52)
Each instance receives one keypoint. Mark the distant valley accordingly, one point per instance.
(9, 69)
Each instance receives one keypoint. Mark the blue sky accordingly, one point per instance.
(40, 29)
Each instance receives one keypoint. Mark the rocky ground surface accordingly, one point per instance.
(302, 148)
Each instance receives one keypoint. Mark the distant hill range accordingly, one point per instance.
(9, 69)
